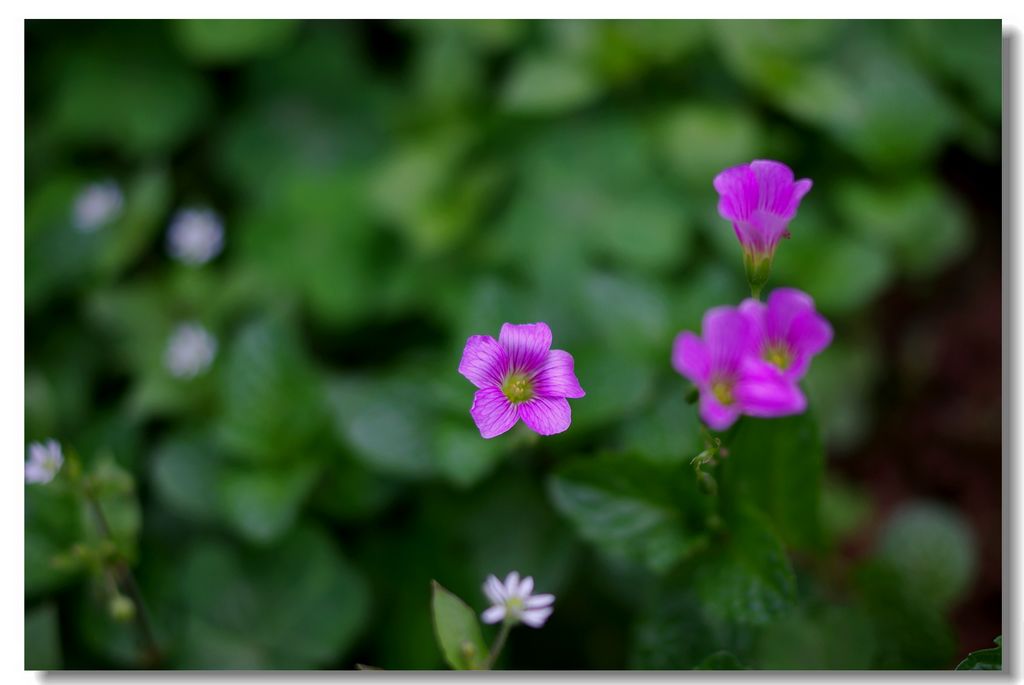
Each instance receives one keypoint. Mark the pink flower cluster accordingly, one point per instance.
(751, 358)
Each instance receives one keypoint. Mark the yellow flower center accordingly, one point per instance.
(518, 388)
(778, 355)
(722, 392)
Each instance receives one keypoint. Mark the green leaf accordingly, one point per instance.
(42, 639)
(778, 465)
(229, 41)
(273, 402)
(910, 633)
(833, 637)
(387, 423)
(699, 140)
(934, 550)
(463, 457)
(53, 523)
(263, 503)
(649, 512)
(745, 576)
(990, 659)
(720, 661)
(296, 605)
(457, 630)
(547, 85)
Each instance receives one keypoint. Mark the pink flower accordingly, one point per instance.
(788, 331)
(513, 601)
(519, 376)
(760, 199)
(726, 370)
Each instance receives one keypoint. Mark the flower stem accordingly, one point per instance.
(124, 575)
(499, 644)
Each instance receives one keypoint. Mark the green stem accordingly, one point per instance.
(499, 644)
(124, 574)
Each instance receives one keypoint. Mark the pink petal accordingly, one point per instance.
(494, 614)
(535, 618)
(775, 186)
(484, 361)
(492, 412)
(546, 415)
(738, 192)
(526, 345)
(526, 587)
(718, 416)
(556, 377)
(728, 338)
(764, 391)
(809, 333)
(690, 358)
(784, 305)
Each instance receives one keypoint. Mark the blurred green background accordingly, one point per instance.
(389, 188)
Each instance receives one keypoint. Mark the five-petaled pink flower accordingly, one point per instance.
(519, 376)
(731, 378)
(787, 330)
(760, 199)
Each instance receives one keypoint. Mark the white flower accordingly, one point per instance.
(514, 602)
(195, 236)
(44, 461)
(190, 350)
(97, 205)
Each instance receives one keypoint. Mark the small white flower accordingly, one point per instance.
(44, 461)
(195, 236)
(97, 205)
(514, 602)
(190, 350)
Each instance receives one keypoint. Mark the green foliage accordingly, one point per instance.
(457, 629)
(990, 659)
(648, 512)
(933, 549)
(387, 190)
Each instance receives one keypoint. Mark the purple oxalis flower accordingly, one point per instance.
(788, 331)
(731, 379)
(519, 376)
(760, 199)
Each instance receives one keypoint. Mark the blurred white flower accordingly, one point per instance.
(97, 205)
(195, 236)
(44, 461)
(514, 602)
(190, 350)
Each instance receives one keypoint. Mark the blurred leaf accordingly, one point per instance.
(458, 631)
(933, 549)
(667, 432)
(649, 512)
(745, 576)
(839, 384)
(463, 456)
(844, 509)
(547, 84)
(349, 491)
(273, 403)
(387, 423)
(843, 273)
(909, 634)
(720, 661)
(42, 639)
(984, 659)
(296, 605)
(920, 223)
(778, 465)
(674, 633)
(53, 524)
(142, 106)
(227, 41)
(831, 638)
(699, 140)
(264, 503)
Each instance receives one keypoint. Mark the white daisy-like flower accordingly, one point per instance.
(190, 350)
(195, 236)
(44, 461)
(514, 601)
(97, 205)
